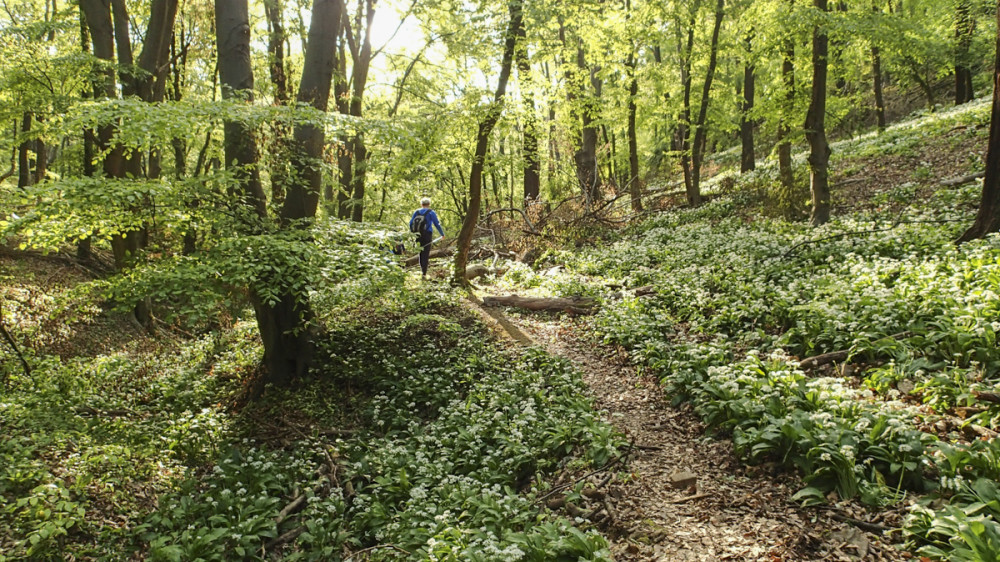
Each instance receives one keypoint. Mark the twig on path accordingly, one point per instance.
(695, 497)
(863, 525)
(562, 487)
(376, 547)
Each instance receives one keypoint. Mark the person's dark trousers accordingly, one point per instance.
(425, 250)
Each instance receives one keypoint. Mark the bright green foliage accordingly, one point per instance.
(738, 303)
(454, 436)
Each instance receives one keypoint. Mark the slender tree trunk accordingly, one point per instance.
(586, 156)
(482, 144)
(965, 24)
(634, 186)
(815, 126)
(748, 160)
(877, 82)
(785, 172)
(988, 217)
(24, 175)
(529, 149)
(345, 160)
(701, 129)
(685, 126)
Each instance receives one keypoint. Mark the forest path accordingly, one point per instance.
(733, 512)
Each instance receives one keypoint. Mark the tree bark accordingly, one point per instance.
(815, 126)
(684, 128)
(302, 196)
(532, 165)
(24, 175)
(748, 160)
(701, 129)
(236, 78)
(586, 156)
(634, 185)
(965, 24)
(482, 143)
(877, 82)
(573, 304)
(988, 216)
(785, 172)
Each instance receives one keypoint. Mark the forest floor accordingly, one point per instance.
(684, 496)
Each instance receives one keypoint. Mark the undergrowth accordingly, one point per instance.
(417, 438)
(907, 418)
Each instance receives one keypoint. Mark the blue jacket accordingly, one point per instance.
(431, 219)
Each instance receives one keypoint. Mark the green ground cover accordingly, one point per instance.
(740, 301)
(419, 437)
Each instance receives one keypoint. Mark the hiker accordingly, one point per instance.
(420, 223)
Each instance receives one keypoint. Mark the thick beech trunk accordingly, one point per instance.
(748, 160)
(988, 217)
(815, 126)
(482, 144)
(302, 196)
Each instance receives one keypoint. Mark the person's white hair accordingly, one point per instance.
(426, 201)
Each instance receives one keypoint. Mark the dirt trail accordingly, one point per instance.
(733, 512)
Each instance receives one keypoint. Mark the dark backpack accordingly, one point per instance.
(419, 222)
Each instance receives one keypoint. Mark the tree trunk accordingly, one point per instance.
(965, 24)
(482, 144)
(684, 128)
(988, 217)
(701, 129)
(748, 160)
(302, 197)
(24, 175)
(274, 14)
(785, 172)
(236, 77)
(529, 149)
(585, 157)
(877, 83)
(634, 186)
(815, 126)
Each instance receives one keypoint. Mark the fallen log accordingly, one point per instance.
(435, 254)
(824, 359)
(579, 305)
(961, 180)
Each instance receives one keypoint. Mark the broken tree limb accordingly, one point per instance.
(952, 182)
(13, 345)
(531, 227)
(580, 305)
(435, 254)
(842, 355)
(824, 359)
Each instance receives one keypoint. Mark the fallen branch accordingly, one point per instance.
(435, 254)
(953, 182)
(376, 547)
(687, 499)
(839, 356)
(863, 525)
(13, 345)
(562, 487)
(824, 359)
(579, 305)
(287, 536)
(524, 215)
